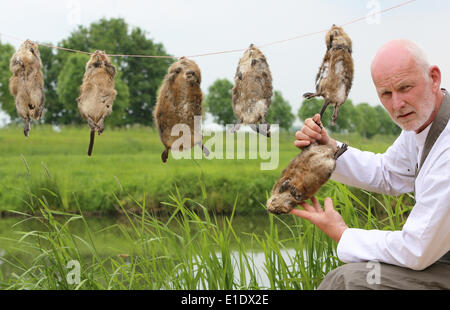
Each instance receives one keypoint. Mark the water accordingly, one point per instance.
(2, 253)
(112, 242)
(259, 261)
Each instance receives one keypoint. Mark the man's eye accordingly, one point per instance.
(406, 88)
(386, 94)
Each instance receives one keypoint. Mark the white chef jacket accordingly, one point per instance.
(425, 236)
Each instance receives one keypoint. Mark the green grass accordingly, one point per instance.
(127, 163)
(184, 225)
(188, 250)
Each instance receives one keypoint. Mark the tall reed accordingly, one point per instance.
(194, 248)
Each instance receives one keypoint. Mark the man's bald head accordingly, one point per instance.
(396, 54)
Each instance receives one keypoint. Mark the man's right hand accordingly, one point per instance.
(311, 132)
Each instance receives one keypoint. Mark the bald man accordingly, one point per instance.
(417, 257)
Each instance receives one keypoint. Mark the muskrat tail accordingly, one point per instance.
(91, 142)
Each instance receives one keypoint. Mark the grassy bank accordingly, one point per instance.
(54, 187)
(188, 250)
(126, 168)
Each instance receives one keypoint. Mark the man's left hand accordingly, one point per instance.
(328, 219)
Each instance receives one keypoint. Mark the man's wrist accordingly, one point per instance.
(341, 232)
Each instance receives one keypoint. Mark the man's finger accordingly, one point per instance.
(316, 204)
(307, 207)
(328, 204)
(301, 143)
(312, 134)
(316, 118)
(302, 136)
(301, 213)
(309, 122)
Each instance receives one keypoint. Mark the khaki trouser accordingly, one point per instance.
(379, 276)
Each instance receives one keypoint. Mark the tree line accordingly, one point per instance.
(362, 118)
(137, 83)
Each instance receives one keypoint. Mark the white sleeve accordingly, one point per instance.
(425, 236)
(389, 173)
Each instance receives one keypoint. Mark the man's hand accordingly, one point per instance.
(311, 132)
(329, 220)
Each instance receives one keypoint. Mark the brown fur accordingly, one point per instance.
(179, 100)
(303, 177)
(252, 91)
(97, 93)
(335, 76)
(27, 82)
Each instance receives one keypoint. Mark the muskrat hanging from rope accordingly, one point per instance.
(180, 103)
(27, 83)
(335, 76)
(97, 93)
(252, 91)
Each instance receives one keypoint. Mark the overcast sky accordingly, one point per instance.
(201, 26)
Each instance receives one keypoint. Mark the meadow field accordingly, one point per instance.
(126, 167)
(132, 222)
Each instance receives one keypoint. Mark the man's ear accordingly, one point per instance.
(435, 75)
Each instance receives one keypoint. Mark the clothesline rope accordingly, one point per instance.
(226, 51)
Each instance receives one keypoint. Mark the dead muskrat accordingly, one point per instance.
(335, 76)
(304, 176)
(179, 102)
(252, 91)
(27, 83)
(97, 93)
